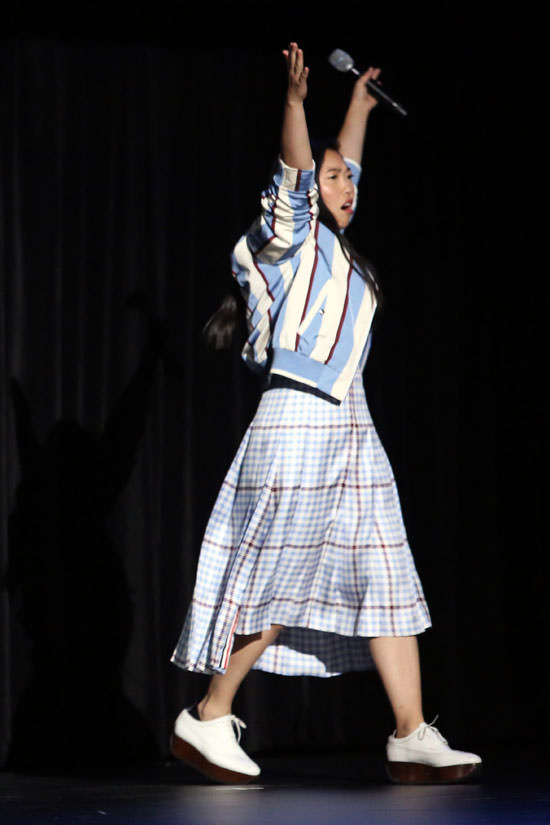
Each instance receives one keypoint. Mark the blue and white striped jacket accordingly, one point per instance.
(309, 312)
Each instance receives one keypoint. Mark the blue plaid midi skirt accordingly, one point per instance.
(306, 532)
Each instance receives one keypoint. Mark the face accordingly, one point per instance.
(336, 187)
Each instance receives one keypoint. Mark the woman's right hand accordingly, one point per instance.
(295, 148)
(297, 74)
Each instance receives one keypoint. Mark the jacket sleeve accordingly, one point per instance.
(264, 260)
(289, 211)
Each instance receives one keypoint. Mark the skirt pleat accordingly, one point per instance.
(306, 532)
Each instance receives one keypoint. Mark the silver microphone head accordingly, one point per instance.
(341, 60)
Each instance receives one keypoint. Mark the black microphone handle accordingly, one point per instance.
(378, 91)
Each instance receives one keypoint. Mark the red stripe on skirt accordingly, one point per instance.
(228, 647)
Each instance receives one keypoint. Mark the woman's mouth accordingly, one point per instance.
(347, 206)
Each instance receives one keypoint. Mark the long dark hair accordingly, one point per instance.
(363, 267)
(220, 328)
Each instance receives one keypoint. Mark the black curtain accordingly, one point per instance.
(129, 167)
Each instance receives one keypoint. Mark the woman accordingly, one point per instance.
(305, 566)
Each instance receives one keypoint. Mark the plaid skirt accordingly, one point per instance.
(306, 532)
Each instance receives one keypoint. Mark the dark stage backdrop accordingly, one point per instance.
(130, 163)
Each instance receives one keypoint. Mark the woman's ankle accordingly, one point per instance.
(207, 709)
(406, 727)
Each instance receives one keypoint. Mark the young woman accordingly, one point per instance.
(305, 566)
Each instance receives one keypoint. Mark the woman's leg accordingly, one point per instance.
(223, 687)
(210, 743)
(414, 754)
(398, 663)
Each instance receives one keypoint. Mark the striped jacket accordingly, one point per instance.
(309, 312)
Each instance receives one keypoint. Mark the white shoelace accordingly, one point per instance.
(430, 726)
(238, 726)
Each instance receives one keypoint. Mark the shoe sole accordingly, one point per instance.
(413, 773)
(191, 756)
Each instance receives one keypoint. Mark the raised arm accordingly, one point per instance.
(354, 127)
(290, 202)
(295, 145)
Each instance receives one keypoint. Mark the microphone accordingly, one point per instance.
(343, 62)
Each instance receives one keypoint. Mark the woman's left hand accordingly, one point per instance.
(361, 93)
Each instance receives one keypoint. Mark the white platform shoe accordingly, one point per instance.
(425, 757)
(213, 747)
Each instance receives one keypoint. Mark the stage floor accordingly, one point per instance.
(321, 789)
